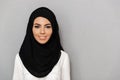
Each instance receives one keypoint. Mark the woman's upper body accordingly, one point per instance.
(61, 70)
(41, 55)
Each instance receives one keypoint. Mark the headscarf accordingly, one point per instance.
(40, 59)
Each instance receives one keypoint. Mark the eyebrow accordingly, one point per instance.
(39, 24)
(48, 24)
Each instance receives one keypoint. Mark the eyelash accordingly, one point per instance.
(48, 26)
(45, 26)
(36, 26)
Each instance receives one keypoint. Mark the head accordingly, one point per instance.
(43, 25)
(43, 28)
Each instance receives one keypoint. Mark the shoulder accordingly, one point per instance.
(65, 61)
(18, 59)
(64, 56)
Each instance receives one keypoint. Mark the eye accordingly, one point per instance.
(36, 26)
(48, 26)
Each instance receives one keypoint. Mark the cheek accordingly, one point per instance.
(49, 32)
(35, 32)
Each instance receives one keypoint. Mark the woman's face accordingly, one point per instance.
(42, 30)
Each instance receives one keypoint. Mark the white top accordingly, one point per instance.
(61, 71)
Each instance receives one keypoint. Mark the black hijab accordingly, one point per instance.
(39, 59)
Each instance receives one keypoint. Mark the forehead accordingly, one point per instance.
(41, 20)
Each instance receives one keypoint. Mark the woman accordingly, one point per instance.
(41, 56)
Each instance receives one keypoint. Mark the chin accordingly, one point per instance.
(42, 42)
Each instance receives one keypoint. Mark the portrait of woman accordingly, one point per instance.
(41, 55)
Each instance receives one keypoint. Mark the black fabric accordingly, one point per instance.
(39, 59)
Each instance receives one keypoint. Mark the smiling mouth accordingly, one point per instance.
(42, 37)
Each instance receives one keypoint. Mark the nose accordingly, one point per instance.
(42, 30)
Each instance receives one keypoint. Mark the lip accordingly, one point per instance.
(42, 37)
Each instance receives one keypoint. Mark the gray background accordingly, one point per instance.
(89, 30)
